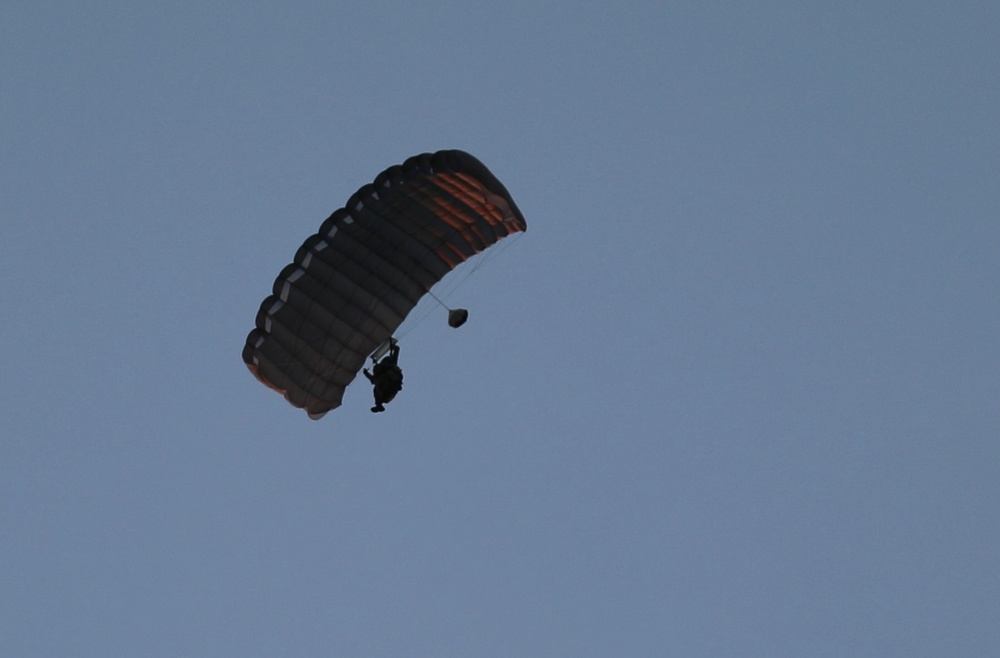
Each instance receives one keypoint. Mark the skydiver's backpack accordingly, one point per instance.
(390, 382)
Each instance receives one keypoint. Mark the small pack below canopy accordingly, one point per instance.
(457, 317)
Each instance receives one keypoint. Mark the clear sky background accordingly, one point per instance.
(736, 392)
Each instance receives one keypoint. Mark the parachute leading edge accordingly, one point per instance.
(353, 282)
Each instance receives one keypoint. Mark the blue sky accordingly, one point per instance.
(735, 392)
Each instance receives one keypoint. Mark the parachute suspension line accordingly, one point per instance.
(423, 316)
(490, 254)
(450, 288)
(481, 260)
(438, 300)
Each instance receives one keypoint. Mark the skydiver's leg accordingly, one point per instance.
(378, 401)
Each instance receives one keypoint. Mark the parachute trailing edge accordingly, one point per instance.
(352, 283)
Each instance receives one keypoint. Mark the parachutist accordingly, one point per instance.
(354, 281)
(386, 378)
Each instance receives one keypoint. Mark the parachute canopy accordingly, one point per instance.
(353, 283)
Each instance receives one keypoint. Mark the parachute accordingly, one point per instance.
(353, 282)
